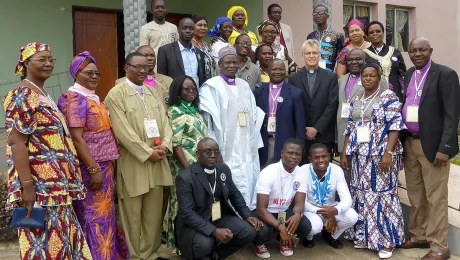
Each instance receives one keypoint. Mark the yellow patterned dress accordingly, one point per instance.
(56, 175)
(188, 129)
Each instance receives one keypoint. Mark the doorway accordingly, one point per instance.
(98, 31)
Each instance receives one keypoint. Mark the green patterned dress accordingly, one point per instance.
(188, 129)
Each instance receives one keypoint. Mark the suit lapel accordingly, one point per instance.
(285, 92)
(342, 97)
(200, 65)
(265, 96)
(407, 81)
(429, 79)
(317, 82)
(201, 175)
(179, 56)
(304, 78)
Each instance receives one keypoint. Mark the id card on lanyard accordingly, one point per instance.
(271, 124)
(363, 131)
(412, 111)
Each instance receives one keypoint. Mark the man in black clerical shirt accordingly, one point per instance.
(206, 224)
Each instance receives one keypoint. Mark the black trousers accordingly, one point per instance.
(265, 232)
(203, 246)
(308, 144)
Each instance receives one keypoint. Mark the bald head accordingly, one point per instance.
(144, 47)
(420, 52)
(358, 52)
(208, 153)
(355, 61)
(206, 142)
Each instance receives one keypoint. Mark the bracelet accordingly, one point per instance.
(277, 226)
(94, 169)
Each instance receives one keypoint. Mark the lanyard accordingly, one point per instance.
(274, 99)
(376, 50)
(321, 35)
(418, 86)
(363, 102)
(142, 99)
(213, 189)
(280, 180)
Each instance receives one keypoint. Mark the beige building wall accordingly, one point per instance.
(436, 20)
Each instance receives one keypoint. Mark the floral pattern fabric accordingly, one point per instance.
(188, 130)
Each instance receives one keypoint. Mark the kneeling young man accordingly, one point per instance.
(326, 215)
(206, 224)
(280, 199)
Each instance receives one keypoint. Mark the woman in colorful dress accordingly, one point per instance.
(43, 168)
(240, 21)
(357, 41)
(89, 125)
(264, 55)
(371, 139)
(390, 58)
(220, 33)
(268, 31)
(201, 29)
(188, 128)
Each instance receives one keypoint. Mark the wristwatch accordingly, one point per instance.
(390, 152)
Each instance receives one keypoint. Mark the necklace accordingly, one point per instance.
(266, 74)
(200, 45)
(359, 46)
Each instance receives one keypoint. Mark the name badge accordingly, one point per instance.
(271, 125)
(151, 127)
(282, 217)
(345, 110)
(242, 118)
(322, 64)
(364, 134)
(412, 114)
(216, 214)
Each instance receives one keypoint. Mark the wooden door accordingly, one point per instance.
(96, 32)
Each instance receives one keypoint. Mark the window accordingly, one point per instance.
(397, 31)
(359, 11)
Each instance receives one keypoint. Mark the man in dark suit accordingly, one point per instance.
(206, 224)
(181, 57)
(284, 113)
(320, 95)
(431, 114)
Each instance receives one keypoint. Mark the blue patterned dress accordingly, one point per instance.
(375, 192)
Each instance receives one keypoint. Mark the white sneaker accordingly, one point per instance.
(286, 251)
(360, 247)
(385, 254)
(261, 251)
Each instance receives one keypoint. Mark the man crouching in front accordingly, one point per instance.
(206, 225)
(280, 200)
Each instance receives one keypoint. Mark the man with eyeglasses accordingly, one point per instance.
(247, 70)
(206, 224)
(330, 40)
(142, 129)
(284, 36)
(155, 80)
(320, 95)
(181, 57)
(431, 114)
(234, 120)
(158, 32)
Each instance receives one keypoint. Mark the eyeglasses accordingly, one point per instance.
(210, 153)
(320, 13)
(188, 90)
(246, 44)
(270, 32)
(91, 73)
(44, 60)
(140, 67)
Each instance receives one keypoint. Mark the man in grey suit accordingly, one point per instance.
(349, 89)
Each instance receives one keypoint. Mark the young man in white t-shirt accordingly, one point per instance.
(324, 179)
(279, 201)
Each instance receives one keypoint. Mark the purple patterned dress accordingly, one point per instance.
(96, 213)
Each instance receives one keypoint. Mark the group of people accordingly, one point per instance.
(219, 145)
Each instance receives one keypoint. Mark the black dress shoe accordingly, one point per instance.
(335, 243)
(215, 256)
(308, 243)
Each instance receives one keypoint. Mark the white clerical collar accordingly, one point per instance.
(208, 171)
(131, 84)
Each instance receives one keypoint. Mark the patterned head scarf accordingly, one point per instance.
(215, 31)
(355, 22)
(79, 62)
(232, 11)
(28, 51)
(374, 65)
(227, 50)
(264, 24)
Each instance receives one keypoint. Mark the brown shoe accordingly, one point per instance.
(409, 244)
(433, 255)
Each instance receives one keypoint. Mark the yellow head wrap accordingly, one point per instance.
(232, 11)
